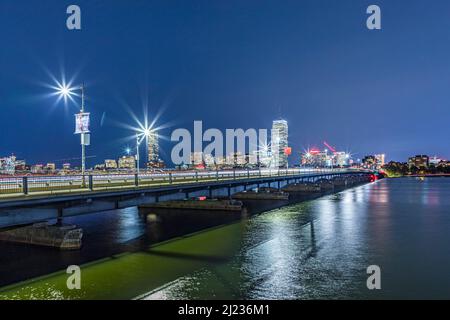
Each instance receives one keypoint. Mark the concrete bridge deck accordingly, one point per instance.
(26, 207)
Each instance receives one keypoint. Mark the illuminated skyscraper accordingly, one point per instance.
(380, 158)
(279, 143)
(153, 148)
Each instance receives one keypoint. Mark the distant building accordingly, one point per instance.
(341, 159)
(127, 162)
(111, 164)
(369, 162)
(210, 161)
(50, 168)
(156, 164)
(220, 161)
(196, 158)
(230, 159)
(8, 165)
(419, 161)
(21, 166)
(100, 167)
(66, 166)
(37, 169)
(444, 164)
(240, 159)
(253, 159)
(373, 162)
(380, 159)
(264, 157)
(435, 161)
(279, 143)
(316, 158)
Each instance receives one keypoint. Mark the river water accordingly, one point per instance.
(318, 249)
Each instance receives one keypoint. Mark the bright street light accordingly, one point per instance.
(66, 91)
(141, 134)
(146, 132)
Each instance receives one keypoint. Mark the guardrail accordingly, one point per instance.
(71, 183)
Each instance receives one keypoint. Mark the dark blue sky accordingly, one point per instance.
(232, 64)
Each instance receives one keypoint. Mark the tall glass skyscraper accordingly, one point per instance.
(279, 143)
(153, 148)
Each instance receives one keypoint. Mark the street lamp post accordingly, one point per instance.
(82, 122)
(141, 136)
(137, 153)
(83, 137)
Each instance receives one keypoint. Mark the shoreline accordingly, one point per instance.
(439, 175)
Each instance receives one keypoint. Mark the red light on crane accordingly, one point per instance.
(329, 147)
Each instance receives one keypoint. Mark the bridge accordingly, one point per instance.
(29, 199)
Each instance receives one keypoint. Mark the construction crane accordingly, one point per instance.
(329, 147)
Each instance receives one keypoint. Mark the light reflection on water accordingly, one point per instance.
(318, 249)
(321, 249)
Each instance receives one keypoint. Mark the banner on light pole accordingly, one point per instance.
(82, 123)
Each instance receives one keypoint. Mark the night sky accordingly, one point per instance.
(232, 64)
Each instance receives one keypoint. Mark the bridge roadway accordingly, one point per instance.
(37, 198)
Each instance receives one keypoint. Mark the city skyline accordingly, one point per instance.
(329, 83)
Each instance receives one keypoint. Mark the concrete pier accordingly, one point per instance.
(326, 185)
(341, 183)
(261, 194)
(302, 188)
(209, 205)
(208, 213)
(66, 237)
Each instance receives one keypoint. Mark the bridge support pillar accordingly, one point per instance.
(59, 216)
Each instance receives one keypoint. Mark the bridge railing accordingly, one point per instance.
(76, 183)
(11, 185)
